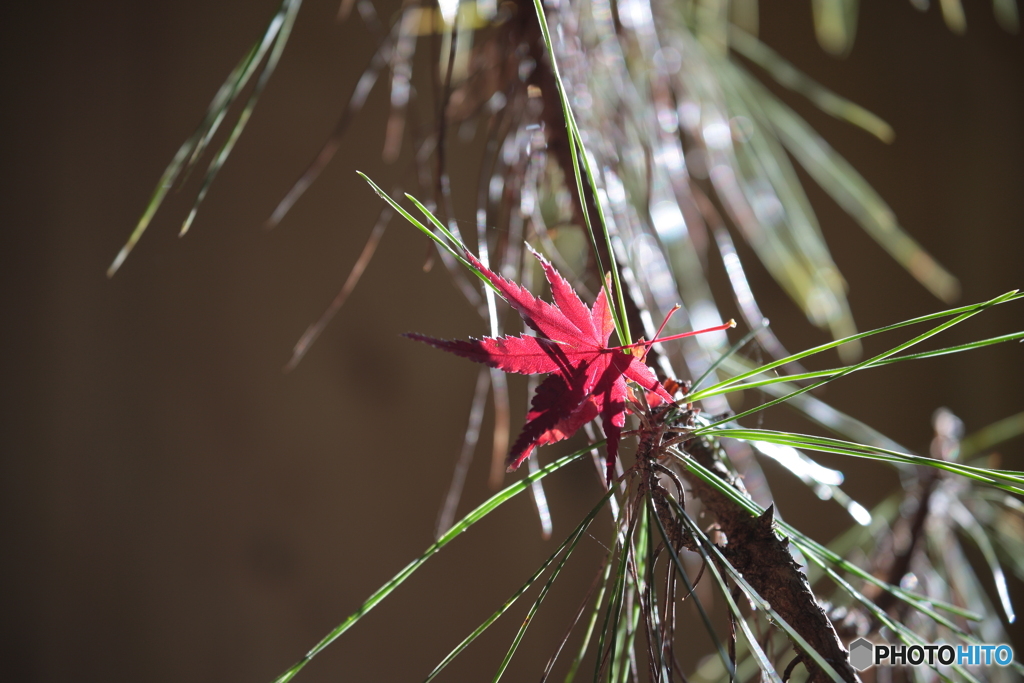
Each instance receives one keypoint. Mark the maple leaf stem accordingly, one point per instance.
(661, 328)
(717, 328)
(665, 322)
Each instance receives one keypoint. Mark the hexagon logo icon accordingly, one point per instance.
(862, 654)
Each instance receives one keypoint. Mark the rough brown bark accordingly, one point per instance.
(764, 560)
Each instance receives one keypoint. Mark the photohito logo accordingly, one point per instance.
(864, 653)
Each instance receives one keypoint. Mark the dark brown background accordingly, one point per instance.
(176, 508)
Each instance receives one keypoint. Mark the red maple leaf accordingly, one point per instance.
(587, 377)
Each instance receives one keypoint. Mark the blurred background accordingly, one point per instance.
(176, 507)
